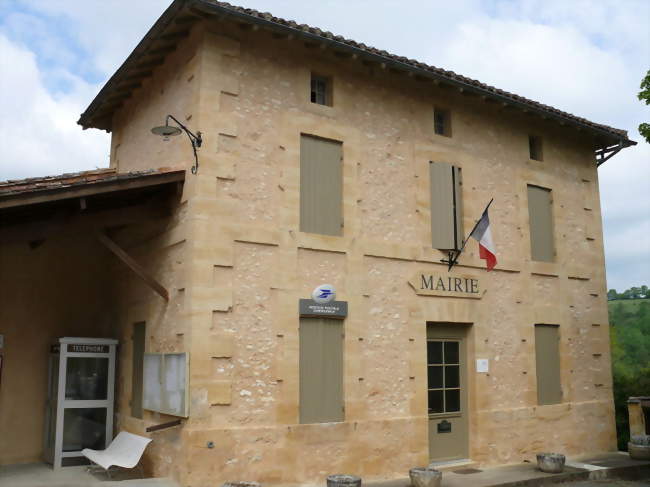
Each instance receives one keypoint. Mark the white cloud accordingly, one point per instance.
(39, 131)
(109, 30)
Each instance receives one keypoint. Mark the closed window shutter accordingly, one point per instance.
(321, 186)
(547, 359)
(137, 370)
(321, 370)
(540, 213)
(446, 206)
(458, 206)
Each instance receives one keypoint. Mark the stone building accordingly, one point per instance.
(323, 161)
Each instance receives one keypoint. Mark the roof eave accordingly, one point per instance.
(207, 7)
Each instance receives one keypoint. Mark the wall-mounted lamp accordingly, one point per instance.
(167, 131)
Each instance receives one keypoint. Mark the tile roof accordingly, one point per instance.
(268, 17)
(17, 187)
(98, 114)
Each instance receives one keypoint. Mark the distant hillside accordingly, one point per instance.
(627, 304)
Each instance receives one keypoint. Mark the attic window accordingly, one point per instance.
(321, 90)
(441, 122)
(535, 148)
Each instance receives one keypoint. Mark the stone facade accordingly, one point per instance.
(246, 265)
(236, 265)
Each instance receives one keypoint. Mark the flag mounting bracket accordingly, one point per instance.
(453, 255)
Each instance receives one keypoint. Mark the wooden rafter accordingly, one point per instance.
(132, 264)
(605, 153)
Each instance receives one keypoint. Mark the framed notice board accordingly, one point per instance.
(165, 384)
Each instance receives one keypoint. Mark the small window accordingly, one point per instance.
(535, 148)
(321, 90)
(445, 185)
(547, 359)
(441, 122)
(443, 376)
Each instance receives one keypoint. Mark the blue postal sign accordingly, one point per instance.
(308, 308)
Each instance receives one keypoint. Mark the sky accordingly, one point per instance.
(586, 57)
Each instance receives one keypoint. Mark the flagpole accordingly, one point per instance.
(453, 261)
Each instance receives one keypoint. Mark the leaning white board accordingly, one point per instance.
(165, 383)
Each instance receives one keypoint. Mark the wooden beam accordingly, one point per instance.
(174, 35)
(140, 271)
(163, 426)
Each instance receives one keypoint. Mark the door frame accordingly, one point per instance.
(463, 333)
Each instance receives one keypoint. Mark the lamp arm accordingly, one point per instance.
(195, 140)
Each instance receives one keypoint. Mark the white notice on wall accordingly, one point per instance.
(482, 365)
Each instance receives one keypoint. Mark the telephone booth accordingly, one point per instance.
(81, 387)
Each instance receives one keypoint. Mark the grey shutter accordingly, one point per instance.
(446, 206)
(540, 214)
(137, 369)
(321, 370)
(321, 186)
(547, 358)
(458, 205)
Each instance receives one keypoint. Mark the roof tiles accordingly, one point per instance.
(84, 178)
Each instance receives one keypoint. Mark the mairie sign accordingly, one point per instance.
(446, 284)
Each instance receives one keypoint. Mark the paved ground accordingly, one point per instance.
(42, 475)
(609, 483)
(576, 474)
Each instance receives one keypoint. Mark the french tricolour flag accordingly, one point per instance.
(483, 236)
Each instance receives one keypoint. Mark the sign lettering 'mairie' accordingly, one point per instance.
(453, 284)
(433, 284)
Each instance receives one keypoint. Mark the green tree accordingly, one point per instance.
(630, 346)
(644, 95)
(612, 294)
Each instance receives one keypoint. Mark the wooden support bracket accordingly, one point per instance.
(133, 265)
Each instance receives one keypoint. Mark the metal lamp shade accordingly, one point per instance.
(166, 131)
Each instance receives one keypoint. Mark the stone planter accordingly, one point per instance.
(550, 462)
(425, 477)
(343, 480)
(639, 447)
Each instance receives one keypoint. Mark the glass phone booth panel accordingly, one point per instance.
(80, 397)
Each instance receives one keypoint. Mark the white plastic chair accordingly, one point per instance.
(125, 451)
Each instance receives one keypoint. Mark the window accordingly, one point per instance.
(535, 147)
(137, 371)
(540, 216)
(446, 206)
(321, 186)
(321, 90)
(547, 359)
(441, 122)
(443, 376)
(321, 370)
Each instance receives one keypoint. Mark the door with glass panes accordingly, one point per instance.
(447, 392)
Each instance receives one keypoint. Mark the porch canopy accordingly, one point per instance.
(72, 248)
